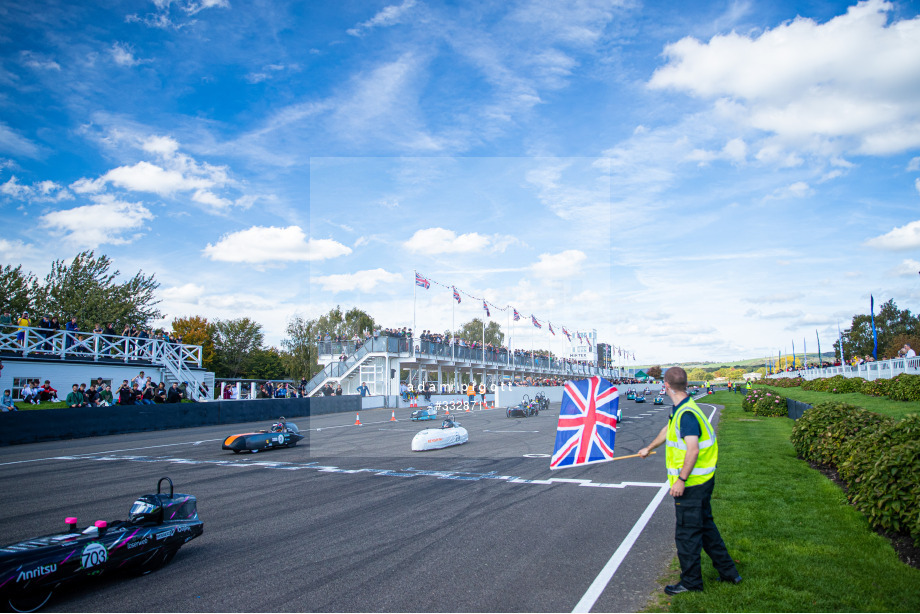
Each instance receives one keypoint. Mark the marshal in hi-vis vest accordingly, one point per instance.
(705, 467)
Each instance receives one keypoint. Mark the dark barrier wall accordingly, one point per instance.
(795, 409)
(53, 424)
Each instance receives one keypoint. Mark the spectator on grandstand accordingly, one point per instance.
(302, 388)
(105, 396)
(5, 320)
(363, 390)
(125, 396)
(71, 336)
(338, 390)
(6, 403)
(228, 392)
(173, 395)
(29, 394)
(23, 324)
(47, 393)
(140, 379)
(149, 393)
(908, 351)
(75, 397)
(91, 396)
(44, 331)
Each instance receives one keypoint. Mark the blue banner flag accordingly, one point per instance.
(874, 332)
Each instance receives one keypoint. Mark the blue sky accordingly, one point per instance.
(694, 181)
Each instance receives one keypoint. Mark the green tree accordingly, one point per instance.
(890, 322)
(265, 364)
(18, 290)
(345, 324)
(654, 372)
(300, 356)
(698, 375)
(234, 341)
(196, 330)
(86, 288)
(472, 331)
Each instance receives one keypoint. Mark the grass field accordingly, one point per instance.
(895, 409)
(798, 545)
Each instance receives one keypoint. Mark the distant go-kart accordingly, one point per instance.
(283, 434)
(524, 409)
(631, 394)
(157, 526)
(541, 401)
(425, 413)
(659, 400)
(640, 398)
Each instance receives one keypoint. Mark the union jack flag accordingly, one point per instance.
(533, 319)
(422, 281)
(517, 315)
(551, 329)
(456, 295)
(566, 333)
(587, 423)
(486, 307)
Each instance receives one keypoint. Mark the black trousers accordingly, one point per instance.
(696, 531)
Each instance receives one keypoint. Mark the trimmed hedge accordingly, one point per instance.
(877, 456)
(785, 382)
(904, 387)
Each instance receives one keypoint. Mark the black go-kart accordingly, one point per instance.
(157, 526)
(283, 434)
(524, 409)
(542, 401)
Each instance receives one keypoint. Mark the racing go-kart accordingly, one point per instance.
(541, 401)
(524, 409)
(631, 395)
(283, 434)
(640, 398)
(157, 526)
(426, 413)
(450, 434)
(659, 400)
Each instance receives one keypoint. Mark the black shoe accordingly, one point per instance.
(677, 589)
(730, 580)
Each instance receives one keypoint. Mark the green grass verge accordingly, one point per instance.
(799, 546)
(895, 409)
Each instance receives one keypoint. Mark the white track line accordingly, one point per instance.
(91, 454)
(603, 578)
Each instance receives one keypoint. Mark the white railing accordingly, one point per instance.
(177, 358)
(882, 369)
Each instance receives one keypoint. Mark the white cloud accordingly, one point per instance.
(38, 61)
(443, 241)
(799, 189)
(161, 145)
(365, 281)
(211, 199)
(109, 221)
(123, 54)
(147, 177)
(165, 17)
(187, 293)
(917, 184)
(43, 191)
(902, 237)
(907, 268)
(14, 143)
(388, 16)
(851, 80)
(558, 266)
(913, 165)
(774, 298)
(16, 251)
(267, 245)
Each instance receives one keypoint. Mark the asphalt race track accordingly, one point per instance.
(351, 520)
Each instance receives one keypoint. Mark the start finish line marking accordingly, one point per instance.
(409, 472)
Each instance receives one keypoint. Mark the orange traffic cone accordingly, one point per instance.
(358, 420)
(467, 407)
(393, 416)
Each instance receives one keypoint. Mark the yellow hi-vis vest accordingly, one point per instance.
(748, 386)
(705, 467)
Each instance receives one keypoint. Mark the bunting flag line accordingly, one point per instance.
(426, 283)
(587, 423)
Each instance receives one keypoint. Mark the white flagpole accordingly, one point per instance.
(414, 296)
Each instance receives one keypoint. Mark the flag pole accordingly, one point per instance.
(414, 297)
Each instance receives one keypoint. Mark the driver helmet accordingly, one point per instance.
(146, 509)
